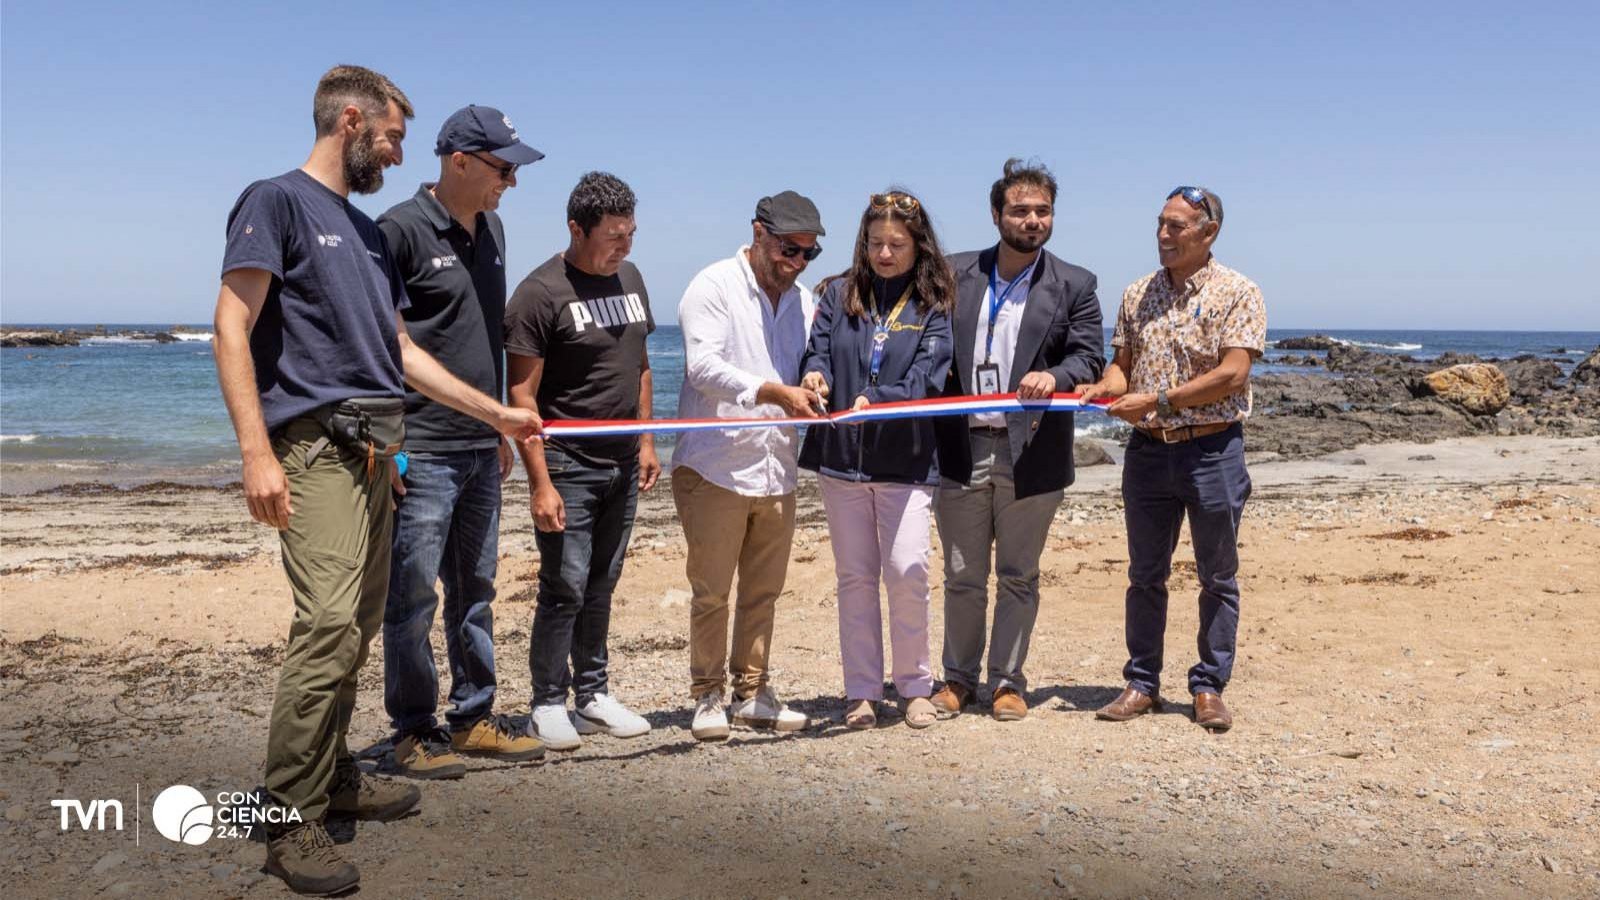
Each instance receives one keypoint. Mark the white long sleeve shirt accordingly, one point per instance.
(734, 341)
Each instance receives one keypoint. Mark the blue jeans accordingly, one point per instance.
(578, 570)
(1204, 478)
(446, 528)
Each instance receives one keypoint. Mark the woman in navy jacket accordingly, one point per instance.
(881, 334)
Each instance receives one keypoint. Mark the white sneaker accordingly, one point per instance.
(604, 715)
(710, 719)
(552, 726)
(763, 711)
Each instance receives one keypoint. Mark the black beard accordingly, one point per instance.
(363, 171)
(1026, 241)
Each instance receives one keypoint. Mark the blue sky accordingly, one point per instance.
(1384, 165)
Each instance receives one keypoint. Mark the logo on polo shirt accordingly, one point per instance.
(329, 240)
(444, 262)
(623, 309)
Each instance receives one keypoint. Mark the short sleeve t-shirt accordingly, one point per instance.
(456, 282)
(326, 332)
(590, 331)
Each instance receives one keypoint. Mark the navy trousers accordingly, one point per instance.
(1205, 479)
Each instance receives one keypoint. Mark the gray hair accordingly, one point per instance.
(1215, 202)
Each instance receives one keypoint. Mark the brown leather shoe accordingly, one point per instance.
(1009, 705)
(1130, 704)
(952, 698)
(1211, 713)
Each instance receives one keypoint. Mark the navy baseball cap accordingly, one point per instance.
(484, 128)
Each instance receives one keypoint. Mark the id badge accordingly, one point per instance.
(989, 378)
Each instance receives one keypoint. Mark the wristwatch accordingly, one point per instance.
(1163, 405)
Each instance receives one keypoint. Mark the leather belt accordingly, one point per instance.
(1186, 433)
(987, 431)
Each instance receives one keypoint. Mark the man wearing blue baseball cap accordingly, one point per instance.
(450, 246)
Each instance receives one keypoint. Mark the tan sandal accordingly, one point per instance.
(860, 715)
(920, 712)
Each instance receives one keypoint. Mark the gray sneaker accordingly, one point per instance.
(308, 862)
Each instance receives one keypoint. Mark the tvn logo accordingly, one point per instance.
(93, 814)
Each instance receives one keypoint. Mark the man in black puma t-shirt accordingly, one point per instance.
(575, 334)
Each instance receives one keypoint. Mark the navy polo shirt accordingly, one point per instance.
(457, 285)
(326, 332)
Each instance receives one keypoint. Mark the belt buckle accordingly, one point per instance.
(1166, 436)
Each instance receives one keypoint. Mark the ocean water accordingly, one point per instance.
(121, 410)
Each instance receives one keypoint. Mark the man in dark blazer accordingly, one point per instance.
(1027, 322)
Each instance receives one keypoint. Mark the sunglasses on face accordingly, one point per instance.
(1195, 198)
(905, 203)
(790, 250)
(507, 171)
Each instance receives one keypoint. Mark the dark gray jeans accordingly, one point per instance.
(578, 570)
(1206, 480)
(974, 519)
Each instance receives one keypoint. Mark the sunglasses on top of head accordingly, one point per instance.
(1195, 198)
(905, 204)
(790, 250)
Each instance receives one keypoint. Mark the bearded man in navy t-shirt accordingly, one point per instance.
(308, 323)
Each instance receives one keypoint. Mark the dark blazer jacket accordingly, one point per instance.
(915, 360)
(1060, 333)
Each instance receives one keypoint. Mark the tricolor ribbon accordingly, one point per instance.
(903, 409)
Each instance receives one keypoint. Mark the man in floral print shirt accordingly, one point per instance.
(1185, 338)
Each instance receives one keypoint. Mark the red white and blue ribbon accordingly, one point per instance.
(905, 409)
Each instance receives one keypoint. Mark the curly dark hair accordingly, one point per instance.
(1017, 171)
(357, 86)
(935, 282)
(599, 194)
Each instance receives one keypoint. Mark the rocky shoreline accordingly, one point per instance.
(1368, 397)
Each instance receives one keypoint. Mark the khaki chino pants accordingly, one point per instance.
(336, 554)
(726, 531)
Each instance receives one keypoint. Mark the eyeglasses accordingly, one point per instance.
(1194, 197)
(905, 203)
(507, 171)
(790, 250)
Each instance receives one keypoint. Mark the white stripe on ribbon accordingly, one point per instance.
(905, 409)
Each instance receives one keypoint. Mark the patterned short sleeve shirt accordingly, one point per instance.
(1179, 333)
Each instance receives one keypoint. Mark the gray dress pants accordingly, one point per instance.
(976, 520)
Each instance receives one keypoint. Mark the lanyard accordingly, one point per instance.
(880, 332)
(997, 299)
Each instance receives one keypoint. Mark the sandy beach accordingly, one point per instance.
(1414, 694)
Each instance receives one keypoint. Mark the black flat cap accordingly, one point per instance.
(789, 213)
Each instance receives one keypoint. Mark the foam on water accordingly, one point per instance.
(1373, 345)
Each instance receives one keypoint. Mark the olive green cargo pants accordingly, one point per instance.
(336, 554)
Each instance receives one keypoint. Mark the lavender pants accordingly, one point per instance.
(880, 531)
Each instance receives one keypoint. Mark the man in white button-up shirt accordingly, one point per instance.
(745, 321)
